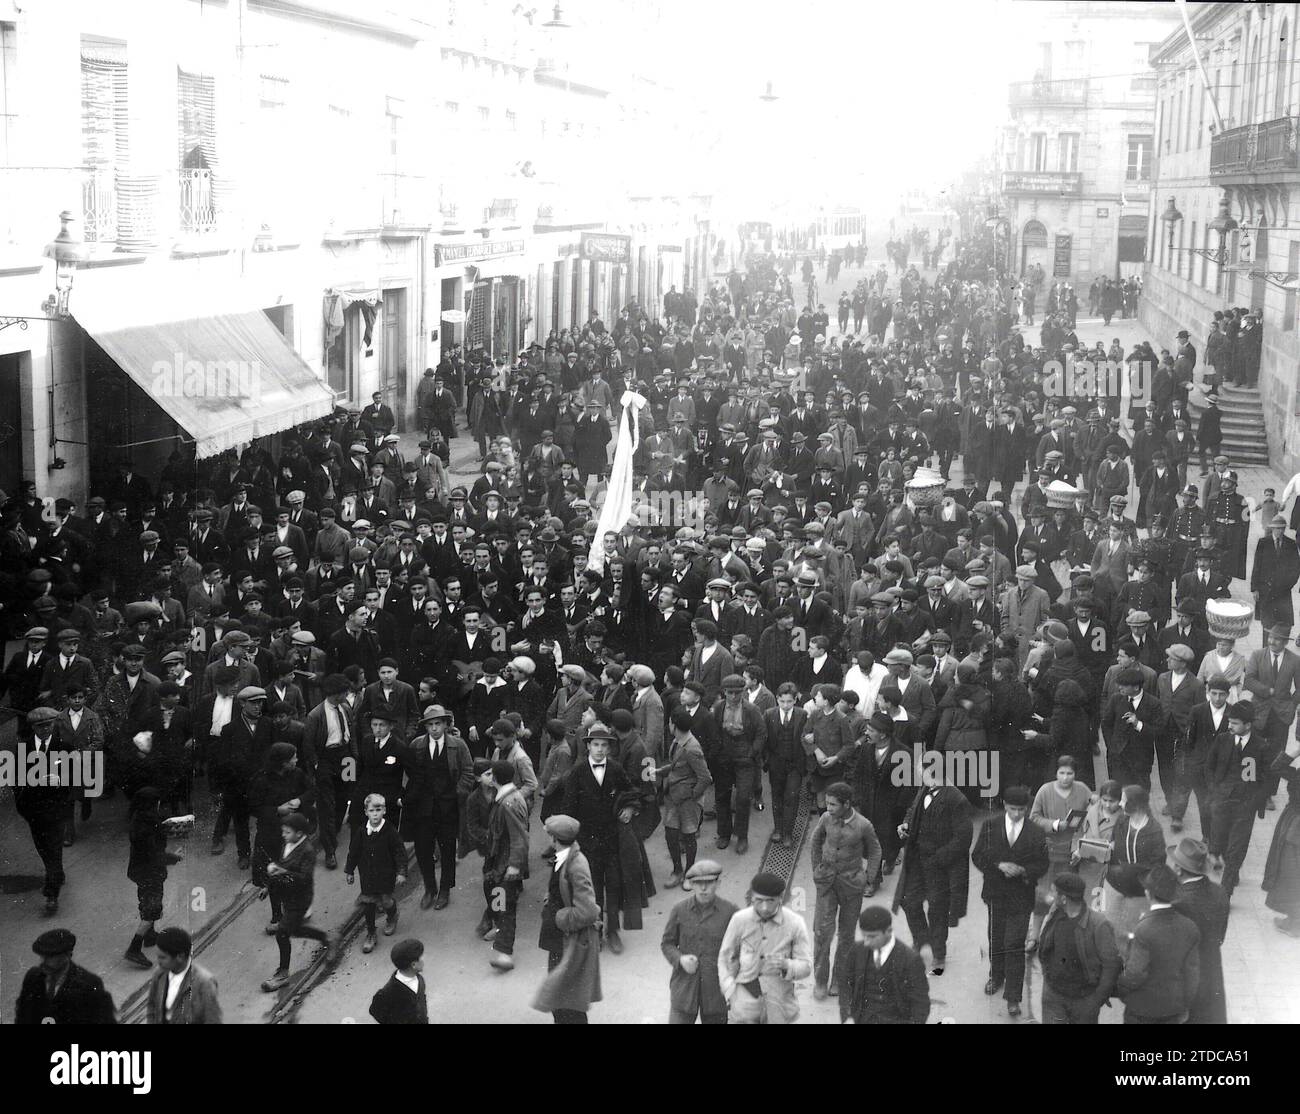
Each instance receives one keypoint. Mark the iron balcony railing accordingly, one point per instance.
(197, 211)
(1070, 91)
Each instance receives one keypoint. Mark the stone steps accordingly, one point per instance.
(1244, 439)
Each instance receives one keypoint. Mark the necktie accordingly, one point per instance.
(343, 724)
(1277, 664)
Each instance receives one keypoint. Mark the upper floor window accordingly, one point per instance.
(1068, 150)
(1139, 159)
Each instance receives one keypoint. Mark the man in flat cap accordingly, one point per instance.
(764, 952)
(45, 801)
(1074, 991)
(885, 980)
(59, 992)
(238, 756)
(691, 942)
(570, 934)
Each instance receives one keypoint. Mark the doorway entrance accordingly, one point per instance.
(392, 355)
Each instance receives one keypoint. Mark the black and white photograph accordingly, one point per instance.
(646, 513)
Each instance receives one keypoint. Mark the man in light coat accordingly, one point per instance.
(1024, 608)
(764, 952)
(182, 992)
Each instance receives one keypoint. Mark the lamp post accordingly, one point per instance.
(1171, 216)
(68, 251)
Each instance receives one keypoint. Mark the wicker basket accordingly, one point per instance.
(1061, 496)
(1228, 618)
(925, 489)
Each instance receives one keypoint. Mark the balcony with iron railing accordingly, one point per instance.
(1051, 182)
(501, 211)
(1070, 92)
(1251, 149)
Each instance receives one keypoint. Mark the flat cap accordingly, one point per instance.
(564, 828)
(1181, 652)
(898, 656)
(1027, 571)
(251, 692)
(57, 941)
(1071, 885)
(704, 870)
(37, 632)
(1137, 618)
(42, 715)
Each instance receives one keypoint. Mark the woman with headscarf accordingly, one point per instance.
(963, 725)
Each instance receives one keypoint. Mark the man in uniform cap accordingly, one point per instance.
(885, 980)
(58, 991)
(403, 1000)
(691, 942)
(764, 952)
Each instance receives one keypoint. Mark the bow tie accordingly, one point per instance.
(598, 765)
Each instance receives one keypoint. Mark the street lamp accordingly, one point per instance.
(67, 250)
(1171, 216)
(556, 22)
(767, 94)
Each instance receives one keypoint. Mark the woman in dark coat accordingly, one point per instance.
(1068, 731)
(963, 723)
(591, 438)
(1282, 868)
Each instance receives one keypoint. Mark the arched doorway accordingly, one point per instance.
(1033, 247)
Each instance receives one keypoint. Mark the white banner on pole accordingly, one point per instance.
(617, 507)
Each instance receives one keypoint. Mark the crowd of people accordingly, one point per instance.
(354, 659)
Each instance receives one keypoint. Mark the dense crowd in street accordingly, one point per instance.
(369, 668)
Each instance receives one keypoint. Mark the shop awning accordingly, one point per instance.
(225, 380)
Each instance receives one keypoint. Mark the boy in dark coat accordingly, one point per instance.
(377, 851)
(402, 999)
(147, 868)
(292, 876)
